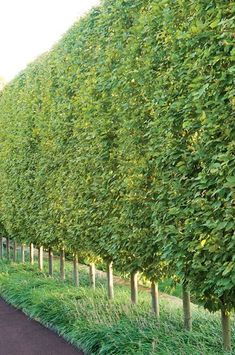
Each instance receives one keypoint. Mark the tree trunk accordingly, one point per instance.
(110, 280)
(31, 253)
(22, 253)
(155, 298)
(187, 309)
(1, 248)
(40, 258)
(75, 270)
(226, 330)
(92, 275)
(50, 261)
(134, 287)
(8, 248)
(62, 264)
(14, 251)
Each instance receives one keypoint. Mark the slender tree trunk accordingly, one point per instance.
(50, 261)
(110, 280)
(40, 258)
(226, 330)
(75, 270)
(22, 253)
(14, 251)
(155, 298)
(134, 287)
(1, 248)
(187, 309)
(92, 275)
(62, 264)
(8, 248)
(31, 253)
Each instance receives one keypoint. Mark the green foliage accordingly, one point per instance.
(119, 143)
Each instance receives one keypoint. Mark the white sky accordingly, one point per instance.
(30, 27)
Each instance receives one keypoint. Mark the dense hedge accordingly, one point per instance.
(119, 143)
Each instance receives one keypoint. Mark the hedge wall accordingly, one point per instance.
(119, 143)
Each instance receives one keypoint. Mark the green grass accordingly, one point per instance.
(88, 320)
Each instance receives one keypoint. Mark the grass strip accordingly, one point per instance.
(87, 319)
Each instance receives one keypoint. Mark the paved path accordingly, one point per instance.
(20, 335)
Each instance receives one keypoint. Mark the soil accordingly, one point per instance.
(20, 335)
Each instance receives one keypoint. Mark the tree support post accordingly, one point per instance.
(62, 264)
(92, 275)
(110, 280)
(1, 248)
(50, 261)
(22, 253)
(155, 298)
(8, 246)
(31, 253)
(75, 270)
(134, 287)
(187, 308)
(14, 251)
(226, 330)
(40, 258)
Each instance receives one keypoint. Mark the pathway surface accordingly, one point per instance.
(20, 335)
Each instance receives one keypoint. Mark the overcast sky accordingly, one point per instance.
(30, 27)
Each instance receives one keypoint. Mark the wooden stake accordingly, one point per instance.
(226, 330)
(50, 261)
(110, 280)
(8, 248)
(1, 248)
(22, 253)
(75, 270)
(14, 251)
(92, 275)
(62, 264)
(155, 298)
(134, 287)
(187, 309)
(31, 253)
(40, 258)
